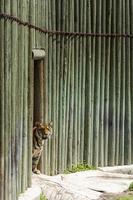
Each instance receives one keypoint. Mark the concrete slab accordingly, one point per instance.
(125, 169)
(87, 185)
(32, 193)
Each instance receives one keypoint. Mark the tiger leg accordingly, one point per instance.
(35, 160)
(34, 166)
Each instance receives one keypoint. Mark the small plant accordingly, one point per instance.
(125, 198)
(42, 197)
(130, 187)
(78, 168)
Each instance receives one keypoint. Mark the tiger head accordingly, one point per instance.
(44, 130)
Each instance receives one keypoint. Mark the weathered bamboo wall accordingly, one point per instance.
(89, 92)
(88, 87)
(15, 115)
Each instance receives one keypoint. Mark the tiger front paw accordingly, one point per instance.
(36, 171)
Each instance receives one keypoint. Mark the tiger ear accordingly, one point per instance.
(51, 123)
(37, 124)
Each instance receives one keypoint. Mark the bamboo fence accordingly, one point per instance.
(88, 86)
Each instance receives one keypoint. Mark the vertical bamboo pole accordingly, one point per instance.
(61, 26)
(102, 85)
(70, 126)
(19, 97)
(11, 193)
(46, 93)
(26, 91)
(83, 83)
(68, 102)
(7, 73)
(18, 118)
(64, 66)
(30, 88)
(97, 86)
(93, 67)
(43, 44)
(131, 59)
(80, 20)
(50, 78)
(72, 75)
(36, 22)
(60, 106)
(43, 23)
(2, 141)
(53, 114)
(67, 84)
(65, 79)
(127, 91)
(16, 101)
(69, 159)
(21, 79)
(14, 65)
(88, 119)
(112, 113)
(40, 23)
(107, 76)
(57, 86)
(70, 118)
(76, 67)
(122, 112)
(65, 101)
(118, 77)
(25, 87)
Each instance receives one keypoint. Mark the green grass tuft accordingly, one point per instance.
(79, 168)
(42, 197)
(125, 198)
(130, 187)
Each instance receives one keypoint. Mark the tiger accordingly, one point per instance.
(41, 132)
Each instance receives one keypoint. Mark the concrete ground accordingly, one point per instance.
(87, 185)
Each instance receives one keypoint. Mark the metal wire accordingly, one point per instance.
(6, 16)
